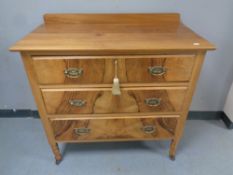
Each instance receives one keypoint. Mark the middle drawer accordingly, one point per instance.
(101, 101)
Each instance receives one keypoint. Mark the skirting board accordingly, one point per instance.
(227, 121)
(193, 115)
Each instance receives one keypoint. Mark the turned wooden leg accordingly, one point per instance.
(56, 153)
(28, 63)
(176, 139)
(172, 152)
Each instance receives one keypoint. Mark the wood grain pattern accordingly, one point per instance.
(93, 42)
(158, 85)
(103, 102)
(110, 18)
(52, 71)
(177, 69)
(27, 60)
(70, 56)
(115, 129)
(101, 71)
(186, 105)
(139, 33)
(114, 116)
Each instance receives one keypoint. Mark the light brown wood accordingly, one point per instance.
(51, 71)
(106, 88)
(177, 69)
(80, 57)
(114, 116)
(188, 99)
(114, 33)
(120, 129)
(41, 108)
(111, 18)
(130, 101)
(157, 85)
(94, 42)
(108, 53)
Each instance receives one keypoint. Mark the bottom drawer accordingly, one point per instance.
(114, 129)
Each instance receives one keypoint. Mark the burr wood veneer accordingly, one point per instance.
(71, 61)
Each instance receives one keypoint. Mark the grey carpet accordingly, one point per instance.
(206, 148)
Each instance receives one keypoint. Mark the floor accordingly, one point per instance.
(206, 149)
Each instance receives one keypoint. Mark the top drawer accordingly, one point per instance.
(100, 70)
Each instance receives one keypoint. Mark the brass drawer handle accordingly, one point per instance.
(149, 129)
(77, 102)
(73, 72)
(153, 102)
(157, 70)
(82, 131)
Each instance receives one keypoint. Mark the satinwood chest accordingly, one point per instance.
(112, 77)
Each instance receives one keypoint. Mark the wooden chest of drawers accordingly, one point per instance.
(71, 62)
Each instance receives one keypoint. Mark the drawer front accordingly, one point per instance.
(163, 69)
(69, 71)
(114, 129)
(129, 70)
(103, 102)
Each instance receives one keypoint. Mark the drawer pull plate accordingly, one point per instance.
(149, 129)
(77, 102)
(82, 131)
(73, 72)
(157, 70)
(153, 102)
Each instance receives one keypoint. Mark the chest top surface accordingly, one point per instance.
(112, 32)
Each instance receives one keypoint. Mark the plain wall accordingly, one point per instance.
(212, 19)
(228, 107)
